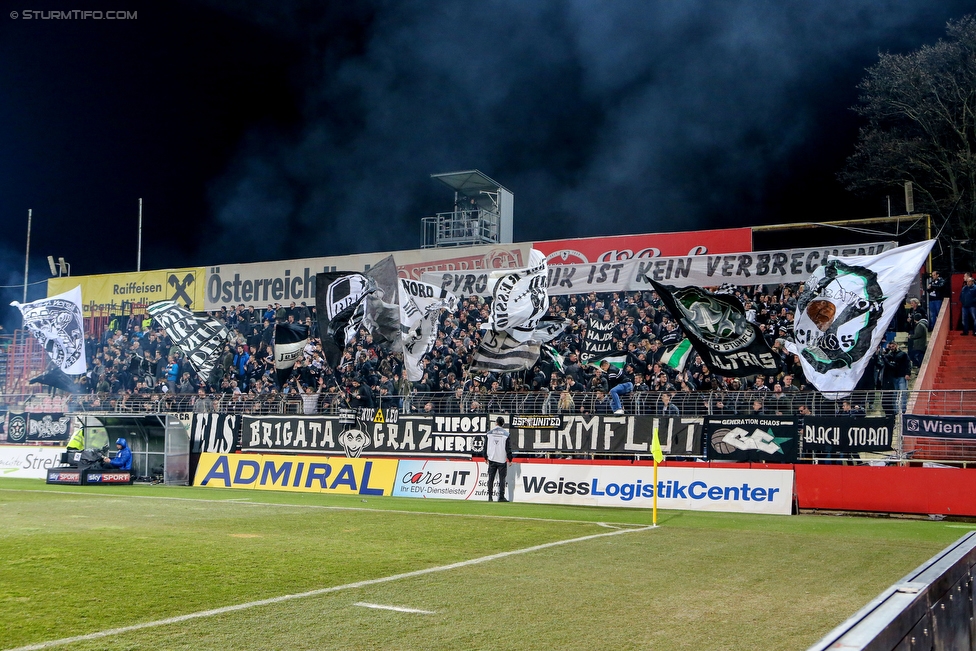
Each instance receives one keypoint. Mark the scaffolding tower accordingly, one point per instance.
(482, 212)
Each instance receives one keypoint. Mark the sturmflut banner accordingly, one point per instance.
(692, 489)
(755, 268)
(624, 435)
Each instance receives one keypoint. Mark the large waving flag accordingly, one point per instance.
(717, 328)
(420, 307)
(57, 323)
(200, 338)
(290, 340)
(516, 329)
(844, 310)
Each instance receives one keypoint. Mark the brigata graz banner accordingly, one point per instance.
(847, 434)
(754, 268)
(943, 427)
(745, 438)
(464, 435)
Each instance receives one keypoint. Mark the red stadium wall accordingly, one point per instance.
(883, 489)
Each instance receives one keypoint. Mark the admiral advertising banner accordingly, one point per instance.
(646, 245)
(285, 281)
(943, 427)
(847, 434)
(297, 474)
(625, 435)
(110, 294)
(764, 267)
(742, 438)
(446, 480)
(691, 489)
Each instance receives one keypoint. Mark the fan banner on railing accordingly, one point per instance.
(290, 340)
(717, 328)
(200, 338)
(56, 322)
(420, 307)
(843, 312)
(464, 434)
(747, 438)
(943, 427)
(846, 434)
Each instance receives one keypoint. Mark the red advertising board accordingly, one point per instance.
(646, 245)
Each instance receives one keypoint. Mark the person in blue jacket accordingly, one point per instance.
(122, 460)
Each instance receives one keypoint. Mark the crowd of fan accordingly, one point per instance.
(135, 363)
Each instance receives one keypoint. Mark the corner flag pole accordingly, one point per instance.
(658, 455)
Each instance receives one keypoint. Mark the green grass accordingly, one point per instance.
(79, 560)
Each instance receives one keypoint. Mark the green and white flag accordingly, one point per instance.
(677, 355)
(616, 361)
(558, 361)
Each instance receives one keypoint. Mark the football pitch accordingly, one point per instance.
(152, 567)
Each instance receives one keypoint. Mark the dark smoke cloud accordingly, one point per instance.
(603, 118)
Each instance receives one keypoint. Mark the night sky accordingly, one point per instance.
(262, 131)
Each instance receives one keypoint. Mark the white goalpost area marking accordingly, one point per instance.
(398, 609)
(320, 591)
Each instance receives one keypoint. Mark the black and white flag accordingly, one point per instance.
(290, 340)
(420, 307)
(717, 328)
(843, 312)
(346, 301)
(598, 344)
(515, 329)
(56, 322)
(200, 338)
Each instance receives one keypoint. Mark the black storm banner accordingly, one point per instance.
(717, 328)
(845, 434)
(742, 438)
(462, 435)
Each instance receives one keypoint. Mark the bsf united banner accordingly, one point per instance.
(717, 328)
(847, 434)
(742, 438)
(201, 339)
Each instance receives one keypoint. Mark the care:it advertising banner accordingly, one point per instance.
(693, 489)
(446, 480)
(28, 461)
(294, 473)
(105, 294)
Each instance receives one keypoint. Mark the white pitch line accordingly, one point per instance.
(320, 591)
(238, 502)
(399, 609)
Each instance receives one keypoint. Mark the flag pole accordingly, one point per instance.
(27, 255)
(658, 455)
(654, 516)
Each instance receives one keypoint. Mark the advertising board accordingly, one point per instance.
(447, 480)
(693, 489)
(105, 294)
(584, 250)
(28, 461)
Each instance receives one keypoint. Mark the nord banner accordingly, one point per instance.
(943, 427)
(847, 434)
(285, 281)
(763, 267)
(108, 294)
